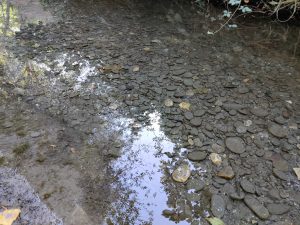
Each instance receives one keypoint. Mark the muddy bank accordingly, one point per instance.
(103, 101)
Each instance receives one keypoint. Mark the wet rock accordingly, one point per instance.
(198, 142)
(259, 112)
(217, 148)
(188, 115)
(237, 195)
(226, 173)
(261, 211)
(279, 163)
(168, 102)
(195, 184)
(215, 158)
(168, 213)
(19, 91)
(196, 121)
(217, 206)
(199, 113)
(277, 130)
(243, 90)
(247, 186)
(235, 144)
(35, 134)
(281, 175)
(278, 209)
(197, 155)
(181, 173)
(280, 120)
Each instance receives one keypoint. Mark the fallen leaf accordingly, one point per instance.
(185, 105)
(8, 216)
(297, 172)
(215, 221)
(215, 158)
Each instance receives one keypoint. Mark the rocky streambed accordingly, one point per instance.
(129, 113)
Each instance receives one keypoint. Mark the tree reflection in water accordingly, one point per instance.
(143, 188)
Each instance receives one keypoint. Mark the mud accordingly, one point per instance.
(102, 100)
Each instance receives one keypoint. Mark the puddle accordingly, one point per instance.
(143, 177)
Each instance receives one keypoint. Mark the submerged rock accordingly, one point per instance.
(277, 130)
(197, 155)
(217, 206)
(226, 173)
(258, 208)
(181, 173)
(235, 144)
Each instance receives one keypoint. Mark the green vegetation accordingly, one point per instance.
(20, 149)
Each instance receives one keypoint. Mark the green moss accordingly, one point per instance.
(20, 149)
(2, 160)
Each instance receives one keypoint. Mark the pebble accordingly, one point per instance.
(197, 155)
(195, 184)
(235, 144)
(277, 130)
(217, 206)
(18, 91)
(181, 173)
(217, 148)
(35, 134)
(258, 208)
(247, 186)
(168, 102)
(196, 121)
(259, 112)
(226, 173)
(278, 209)
(188, 115)
(215, 158)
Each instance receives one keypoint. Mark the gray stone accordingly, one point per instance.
(277, 130)
(259, 112)
(197, 155)
(19, 91)
(196, 121)
(217, 206)
(247, 186)
(217, 148)
(278, 209)
(195, 184)
(258, 208)
(235, 144)
(188, 115)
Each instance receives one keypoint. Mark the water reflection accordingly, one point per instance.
(9, 21)
(143, 186)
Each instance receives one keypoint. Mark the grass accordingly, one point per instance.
(20, 149)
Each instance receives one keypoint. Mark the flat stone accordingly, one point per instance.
(277, 130)
(237, 196)
(259, 112)
(281, 175)
(199, 113)
(195, 184)
(196, 121)
(235, 144)
(278, 209)
(217, 206)
(226, 173)
(197, 155)
(181, 173)
(258, 208)
(283, 223)
(188, 115)
(247, 186)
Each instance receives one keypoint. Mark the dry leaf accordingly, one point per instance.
(215, 221)
(297, 172)
(185, 105)
(8, 216)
